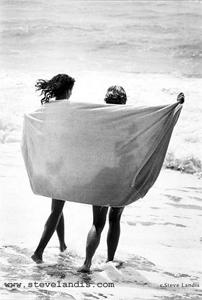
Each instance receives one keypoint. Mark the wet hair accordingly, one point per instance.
(54, 87)
(115, 95)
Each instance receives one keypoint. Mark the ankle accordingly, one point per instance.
(63, 247)
(37, 257)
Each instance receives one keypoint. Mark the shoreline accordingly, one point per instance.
(159, 244)
(160, 239)
(142, 90)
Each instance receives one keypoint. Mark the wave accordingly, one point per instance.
(190, 164)
(150, 32)
(184, 161)
(10, 128)
(110, 45)
(189, 50)
(26, 30)
(192, 15)
(42, 28)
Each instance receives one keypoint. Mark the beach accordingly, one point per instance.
(153, 50)
(159, 254)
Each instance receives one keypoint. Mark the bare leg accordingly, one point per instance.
(49, 228)
(93, 238)
(114, 231)
(60, 229)
(61, 233)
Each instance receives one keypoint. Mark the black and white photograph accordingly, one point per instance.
(100, 150)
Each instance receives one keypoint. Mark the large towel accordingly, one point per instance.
(108, 155)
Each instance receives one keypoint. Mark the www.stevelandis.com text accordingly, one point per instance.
(58, 284)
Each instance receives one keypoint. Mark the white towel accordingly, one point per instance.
(108, 155)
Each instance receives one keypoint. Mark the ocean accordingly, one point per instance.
(151, 48)
(154, 50)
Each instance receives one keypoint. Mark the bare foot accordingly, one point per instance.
(64, 254)
(63, 248)
(37, 259)
(115, 263)
(84, 269)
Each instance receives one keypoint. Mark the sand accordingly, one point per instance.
(159, 254)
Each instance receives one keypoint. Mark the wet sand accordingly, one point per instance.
(159, 254)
